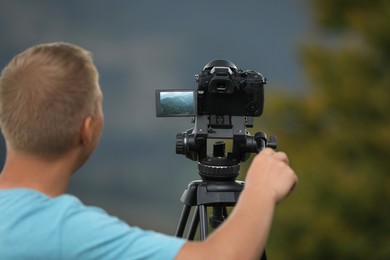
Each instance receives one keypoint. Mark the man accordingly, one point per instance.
(51, 117)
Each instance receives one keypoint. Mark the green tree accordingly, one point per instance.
(338, 138)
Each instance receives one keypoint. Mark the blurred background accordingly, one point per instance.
(327, 100)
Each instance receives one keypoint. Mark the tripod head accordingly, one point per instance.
(221, 165)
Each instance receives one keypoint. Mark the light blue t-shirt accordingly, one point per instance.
(34, 226)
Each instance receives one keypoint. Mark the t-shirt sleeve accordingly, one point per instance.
(90, 233)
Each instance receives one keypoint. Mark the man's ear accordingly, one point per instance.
(86, 133)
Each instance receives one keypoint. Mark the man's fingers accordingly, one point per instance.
(279, 155)
(282, 156)
(267, 151)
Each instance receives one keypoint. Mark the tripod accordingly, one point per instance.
(218, 188)
(202, 194)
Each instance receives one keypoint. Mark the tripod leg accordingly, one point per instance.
(218, 216)
(194, 225)
(183, 220)
(203, 222)
(225, 213)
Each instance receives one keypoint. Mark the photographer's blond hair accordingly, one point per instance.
(45, 93)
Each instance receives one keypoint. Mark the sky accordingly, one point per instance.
(139, 47)
(175, 93)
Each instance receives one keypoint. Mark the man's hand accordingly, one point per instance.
(270, 171)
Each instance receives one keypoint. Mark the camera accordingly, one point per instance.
(222, 107)
(225, 90)
(222, 90)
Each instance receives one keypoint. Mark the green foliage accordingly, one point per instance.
(367, 18)
(338, 138)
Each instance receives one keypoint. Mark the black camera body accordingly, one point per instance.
(225, 90)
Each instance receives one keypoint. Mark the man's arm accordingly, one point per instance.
(244, 234)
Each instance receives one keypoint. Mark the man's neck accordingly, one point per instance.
(50, 177)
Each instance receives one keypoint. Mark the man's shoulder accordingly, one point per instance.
(31, 202)
(73, 230)
(31, 197)
(21, 197)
